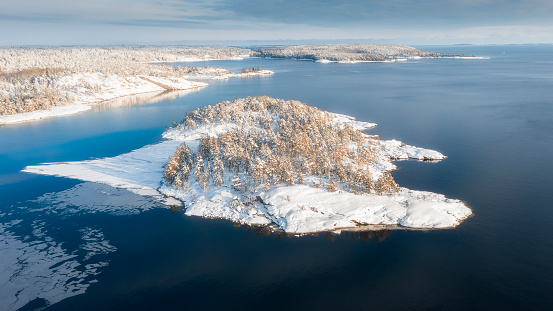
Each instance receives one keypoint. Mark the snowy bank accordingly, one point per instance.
(108, 88)
(43, 114)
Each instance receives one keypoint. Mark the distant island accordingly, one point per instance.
(267, 161)
(348, 52)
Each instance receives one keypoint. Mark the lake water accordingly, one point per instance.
(102, 248)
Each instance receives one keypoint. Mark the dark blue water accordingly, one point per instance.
(493, 118)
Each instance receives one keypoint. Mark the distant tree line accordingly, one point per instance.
(343, 52)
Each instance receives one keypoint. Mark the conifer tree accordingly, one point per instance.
(236, 183)
(332, 186)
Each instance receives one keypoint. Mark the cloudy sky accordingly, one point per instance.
(163, 21)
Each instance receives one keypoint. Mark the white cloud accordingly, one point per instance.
(150, 21)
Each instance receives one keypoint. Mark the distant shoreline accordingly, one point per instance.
(62, 81)
(74, 108)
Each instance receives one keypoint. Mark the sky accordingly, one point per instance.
(69, 22)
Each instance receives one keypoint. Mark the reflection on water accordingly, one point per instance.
(90, 198)
(45, 261)
(378, 235)
(364, 233)
(261, 230)
(142, 99)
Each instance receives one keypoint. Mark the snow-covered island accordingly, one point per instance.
(276, 163)
(42, 82)
(349, 53)
(285, 164)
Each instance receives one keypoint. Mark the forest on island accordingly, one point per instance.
(345, 52)
(272, 142)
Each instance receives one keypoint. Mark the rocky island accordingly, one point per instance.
(348, 53)
(275, 163)
(261, 160)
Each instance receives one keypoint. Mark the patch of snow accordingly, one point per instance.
(397, 150)
(95, 243)
(302, 209)
(358, 125)
(138, 171)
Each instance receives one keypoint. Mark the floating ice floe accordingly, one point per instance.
(39, 268)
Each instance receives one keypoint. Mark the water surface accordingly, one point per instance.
(493, 118)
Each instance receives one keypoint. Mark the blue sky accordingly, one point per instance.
(394, 21)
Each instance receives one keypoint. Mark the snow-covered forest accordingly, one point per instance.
(345, 52)
(273, 141)
(35, 78)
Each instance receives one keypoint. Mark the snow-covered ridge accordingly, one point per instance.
(305, 206)
(89, 89)
(205, 58)
(41, 79)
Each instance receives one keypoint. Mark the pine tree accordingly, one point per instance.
(199, 169)
(205, 180)
(257, 171)
(332, 186)
(266, 186)
(245, 184)
(299, 177)
(170, 170)
(236, 183)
